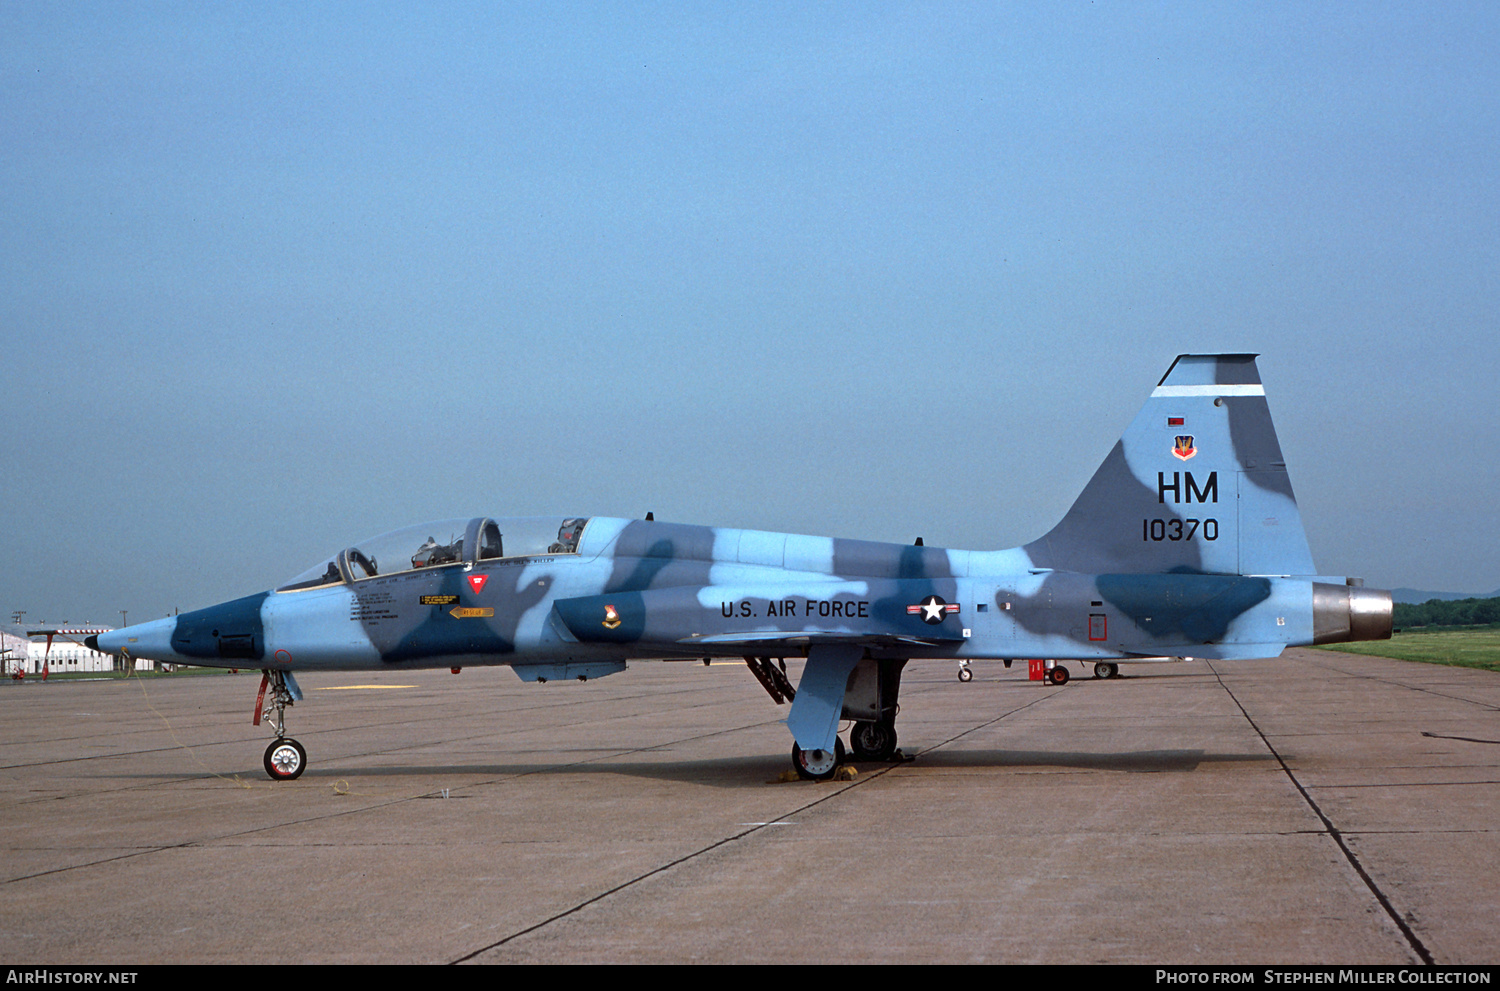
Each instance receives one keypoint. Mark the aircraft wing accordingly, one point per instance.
(805, 638)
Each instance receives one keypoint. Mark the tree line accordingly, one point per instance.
(1450, 612)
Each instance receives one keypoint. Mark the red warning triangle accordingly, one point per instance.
(478, 582)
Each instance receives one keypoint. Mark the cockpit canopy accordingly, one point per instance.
(443, 543)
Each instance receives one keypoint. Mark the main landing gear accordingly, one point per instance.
(285, 759)
(875, 741)
(818, 765)
(868, 741)
(837, 684)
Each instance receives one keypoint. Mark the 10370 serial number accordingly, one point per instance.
(1179, 529)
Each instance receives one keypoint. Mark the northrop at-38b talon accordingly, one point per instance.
(1186, 542)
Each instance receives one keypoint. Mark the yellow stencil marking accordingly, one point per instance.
(351, 688)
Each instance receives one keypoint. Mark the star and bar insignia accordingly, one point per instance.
(932, 609)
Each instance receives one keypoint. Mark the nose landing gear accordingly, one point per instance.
(285, 758)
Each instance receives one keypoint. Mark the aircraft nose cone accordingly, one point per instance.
(152, 641)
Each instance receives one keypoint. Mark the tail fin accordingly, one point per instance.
(1197, 483)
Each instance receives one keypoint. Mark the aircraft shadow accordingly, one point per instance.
(1134, 762)
(731, 772)
(736, 772)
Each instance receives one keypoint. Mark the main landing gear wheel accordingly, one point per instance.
(285, 760)
(1059, 675)
(873, 741)
(818, 765)
(1106, 670)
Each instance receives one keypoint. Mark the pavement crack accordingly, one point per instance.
(1334, 833)
(1322, 662)
(1466, 739)
(663, 868)
(988, 722)
(725, 841)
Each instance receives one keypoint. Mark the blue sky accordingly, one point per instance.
(276, 277)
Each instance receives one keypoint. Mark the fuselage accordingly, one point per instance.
(611, 590)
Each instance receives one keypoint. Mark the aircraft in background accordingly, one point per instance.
(1187, 541)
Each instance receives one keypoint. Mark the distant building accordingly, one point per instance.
(14, 652)
(68, 655)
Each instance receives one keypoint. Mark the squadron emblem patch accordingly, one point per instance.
(1184, 448)
(611, 618)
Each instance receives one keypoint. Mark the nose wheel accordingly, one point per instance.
(285, 760)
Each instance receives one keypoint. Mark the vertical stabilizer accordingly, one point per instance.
(1197, 483)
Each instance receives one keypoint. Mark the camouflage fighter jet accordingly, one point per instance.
(1186, 542)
